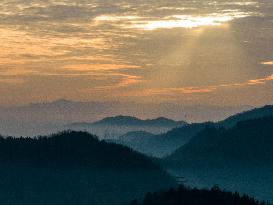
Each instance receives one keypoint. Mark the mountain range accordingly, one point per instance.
(133, 121)
(166, 143)
(112, 127)
(50, 117)
(162, 144)
(75, 167)
(249, 141)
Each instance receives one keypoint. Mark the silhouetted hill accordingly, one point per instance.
(163, 144)
(248, 115)
(249, 141)
(187, 196)
(238, 158)
(180, 136)
(74, 168)
(112, 127)
(71, 147)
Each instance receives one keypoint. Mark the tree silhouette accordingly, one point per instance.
(187, 196)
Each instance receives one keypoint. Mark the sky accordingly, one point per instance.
(209, 52)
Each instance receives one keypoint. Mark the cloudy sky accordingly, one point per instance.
(211, 52)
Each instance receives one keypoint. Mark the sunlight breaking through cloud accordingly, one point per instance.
(175, 21)
(129, 46)
(185, 21)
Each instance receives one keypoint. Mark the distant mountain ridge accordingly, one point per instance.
(50, 117)
(134, 121)
(162, 144)
(112, 127)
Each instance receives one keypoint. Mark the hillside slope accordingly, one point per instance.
(74, 168)
(249, 141)
(237, 159)
(265, 111)
(162, 144)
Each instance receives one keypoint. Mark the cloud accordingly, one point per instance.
(11, 81)
(98, 67)
(123, 81)
(164, 92)
(43, 12)
(174, 21)
(196, 89)
(106, 46)
(11, 72)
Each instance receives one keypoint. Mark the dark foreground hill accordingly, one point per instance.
(187, 196)
(74, 168)
(250, 141)
(238, 158)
